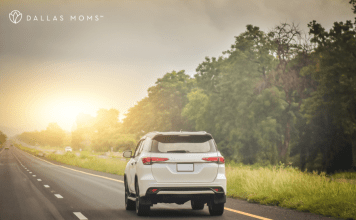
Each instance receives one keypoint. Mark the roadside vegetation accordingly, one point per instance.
(280, 185)
(85, 160)
(3, 138)
(288, 187)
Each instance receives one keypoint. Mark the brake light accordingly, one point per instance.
(150, 160)
(219, 160)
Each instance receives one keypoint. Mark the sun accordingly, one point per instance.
(65, 110)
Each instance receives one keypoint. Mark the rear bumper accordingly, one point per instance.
(180, 195)
(147, 181)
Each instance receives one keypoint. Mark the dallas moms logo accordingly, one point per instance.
(15, 16)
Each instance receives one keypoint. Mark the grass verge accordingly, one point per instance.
(290, 188)
(114, 166)
(286, 187)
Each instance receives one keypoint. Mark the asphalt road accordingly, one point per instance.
(33, 189)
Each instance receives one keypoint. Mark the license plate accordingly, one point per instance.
(185, 167)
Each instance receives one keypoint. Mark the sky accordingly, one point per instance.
(53, 67)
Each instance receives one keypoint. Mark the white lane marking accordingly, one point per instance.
(39, 180)
(34, 175)
(30, 172)
(80, 215)
(58, 196)
(46, 186)
(104, 177)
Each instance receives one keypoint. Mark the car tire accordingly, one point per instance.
(141, 210)
(129, 204)
(216, 209)
(196, 205)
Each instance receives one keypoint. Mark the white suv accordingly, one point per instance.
(175, 167)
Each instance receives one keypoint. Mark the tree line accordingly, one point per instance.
(272, 96)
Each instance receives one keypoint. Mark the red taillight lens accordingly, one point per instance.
(153, 190)
(150, 160)
(214, 159)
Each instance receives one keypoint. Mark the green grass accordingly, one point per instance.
(273, 185)
(85, 160)
(114, 166)
(345, 175)
(290, 188)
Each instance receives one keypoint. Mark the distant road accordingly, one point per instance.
(33, 189)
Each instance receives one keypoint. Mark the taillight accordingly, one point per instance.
(150, 160)
(215, 159)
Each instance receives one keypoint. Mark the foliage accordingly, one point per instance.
(162, 109)
(53, 136)
(334, 71)
(3, 137)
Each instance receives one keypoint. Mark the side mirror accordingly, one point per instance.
(127, 154)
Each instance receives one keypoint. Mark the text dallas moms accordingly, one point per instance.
(62, 18)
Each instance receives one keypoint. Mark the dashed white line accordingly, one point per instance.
(46, 186)
(34, 175)
(58, 196)
(39, 180)
(80, 215)
(30, 172)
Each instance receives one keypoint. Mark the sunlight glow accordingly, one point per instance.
(64, 110)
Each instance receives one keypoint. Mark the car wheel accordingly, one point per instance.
(197, 205)
(129, 204)
(141, 210)
(216, 209)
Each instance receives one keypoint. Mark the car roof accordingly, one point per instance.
(156, 133)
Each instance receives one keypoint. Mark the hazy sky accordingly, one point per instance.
(52, 70)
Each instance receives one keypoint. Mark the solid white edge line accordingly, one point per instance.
(80, 215)
(58, 196)
(46, 186)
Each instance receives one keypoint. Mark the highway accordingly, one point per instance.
(34, 189)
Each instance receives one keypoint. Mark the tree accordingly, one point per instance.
(107, 128)
(334, 71)
(54, 135)
(232, 99)
(83, 134)
(292, 54)
(3, 137)
(162, 109)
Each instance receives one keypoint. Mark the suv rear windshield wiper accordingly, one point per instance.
(177, 151)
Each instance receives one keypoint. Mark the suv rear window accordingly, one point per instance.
(183, 144)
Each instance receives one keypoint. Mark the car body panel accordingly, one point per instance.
(168, 171)
(165, 174)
